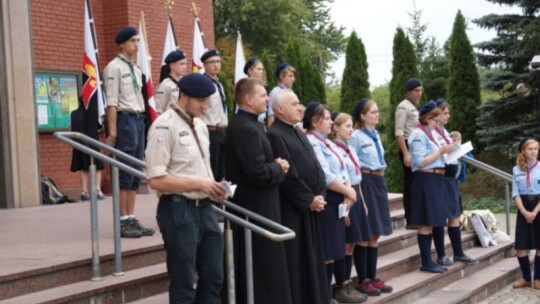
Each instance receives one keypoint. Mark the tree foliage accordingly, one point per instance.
(269, 68)
(354, 83)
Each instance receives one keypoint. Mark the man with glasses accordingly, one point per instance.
(215, 116)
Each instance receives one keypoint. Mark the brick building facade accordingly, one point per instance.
(58, 46)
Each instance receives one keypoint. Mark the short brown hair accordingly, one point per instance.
(429, 115)
(246, 86)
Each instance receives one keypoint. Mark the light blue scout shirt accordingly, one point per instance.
(330, 163)
(367, 151)
(420, 146)
(519, 181)
(346, 152)
(442, 142)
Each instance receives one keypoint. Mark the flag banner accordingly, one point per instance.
(143, 61)
(198, 48)
(240, 60)
(170, 41)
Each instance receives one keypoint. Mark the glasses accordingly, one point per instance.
(213, 62)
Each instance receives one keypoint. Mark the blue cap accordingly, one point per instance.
(125, 34)
(412, 84)
(308, 114)
(334, 115)
(208, 54)
(359, 107)
(523, 141)
(281, 67)
(174, 56)
(251, 61)
(440, 102)
(196, 85)
(428, 107)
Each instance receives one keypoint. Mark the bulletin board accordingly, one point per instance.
(56, 96)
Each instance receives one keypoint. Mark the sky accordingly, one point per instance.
(375, 22)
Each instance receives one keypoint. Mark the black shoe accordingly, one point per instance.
(127, 230)
(432, 269)
(144, 231)
(465, 259)
(444, 261)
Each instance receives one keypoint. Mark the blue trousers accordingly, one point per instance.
(130, 140)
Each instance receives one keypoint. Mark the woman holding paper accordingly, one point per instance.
(453, 205)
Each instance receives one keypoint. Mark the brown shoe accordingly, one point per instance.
(536, 284)
(521, 283)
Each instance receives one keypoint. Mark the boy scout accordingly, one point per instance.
(178, 168)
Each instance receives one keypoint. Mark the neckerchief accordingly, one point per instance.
(221, 93)
(373, 136)
(528, 175)
(428, 134)
(348, 151)
(189, 121)
(440, 131)
(323, 140)
(131, 69)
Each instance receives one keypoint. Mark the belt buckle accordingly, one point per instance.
(197, 202)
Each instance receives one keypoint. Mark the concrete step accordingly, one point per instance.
(395, 201)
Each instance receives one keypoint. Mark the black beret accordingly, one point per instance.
(174, 56)
(196, 85)
(208, 54)
(334, 115)
(359, 107)
(281, 67)
(251, 61)
(125, 34)
(308, 114)
(523, 141)
(412, 84)
(440, 102)
(428, 107)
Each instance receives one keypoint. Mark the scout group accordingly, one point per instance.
(318, 172)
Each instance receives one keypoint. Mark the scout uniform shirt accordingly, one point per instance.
(124, 90)
(406, 118)
(173, 149)
(216, 113)
(166, 93)
(422, 144)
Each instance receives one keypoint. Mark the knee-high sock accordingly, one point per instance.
(360, 262)
(424, 244)
(339, 271)
(329, 274)
(372, 256)
(525, 266)
(455, 238)
(537, 267)
(348, 267)
(438, 241)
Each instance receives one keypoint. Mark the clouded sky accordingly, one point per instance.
(376, 21)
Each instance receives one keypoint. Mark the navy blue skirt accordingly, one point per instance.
(527, 235)
(452, 188)
(429, 200)
(359, 230)
(376, 196)
(332, 227)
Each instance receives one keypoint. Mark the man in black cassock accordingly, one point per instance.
(250, 165)
(301, 201)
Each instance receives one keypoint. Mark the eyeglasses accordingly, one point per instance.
(213, 62)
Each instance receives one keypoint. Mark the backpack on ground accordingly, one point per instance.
(50, 193)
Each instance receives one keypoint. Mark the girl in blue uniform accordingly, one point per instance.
(368, 146)
(358, 231)
(526, 195)
(427, 163)
(454, 199)
(318, 123)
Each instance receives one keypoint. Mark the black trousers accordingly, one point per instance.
(217, 154)
(408, 177)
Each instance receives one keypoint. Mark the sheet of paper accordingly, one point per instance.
(42, 115)
(455, 155)
(229, 187)
(343, 211)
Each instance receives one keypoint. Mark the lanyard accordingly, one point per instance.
(528, 171)
(323, 140)
(428, 134)
(440, 131)
(348, 151)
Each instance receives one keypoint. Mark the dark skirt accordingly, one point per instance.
(527, 235)
(359, 230)
(429, 200)
(332, 227)
(81, 161)
(376, 196)
(454, 201)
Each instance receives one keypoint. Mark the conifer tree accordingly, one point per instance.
(269, 68)
(355, 83)
(313, 85)
(294, 56)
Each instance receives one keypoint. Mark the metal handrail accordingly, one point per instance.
(498, 173)
(71, 138)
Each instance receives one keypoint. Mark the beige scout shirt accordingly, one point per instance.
(165, 94)
(119, 87)
(214, 115)
(406, 118)
(172, 149)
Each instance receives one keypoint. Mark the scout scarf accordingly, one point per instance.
(528, 173)
(131, 69)
(373, 136)
(323, 140)
(348, 151)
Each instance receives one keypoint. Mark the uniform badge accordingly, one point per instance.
(160, 139)
(125, 75)
(183, 133)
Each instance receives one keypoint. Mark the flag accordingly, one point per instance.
(170, 41)
(198, 48)
(92, 95)
(143, 61)
(240, 60)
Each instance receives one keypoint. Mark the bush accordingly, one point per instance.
(495, 204)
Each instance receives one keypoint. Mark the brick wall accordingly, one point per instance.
(58, 44)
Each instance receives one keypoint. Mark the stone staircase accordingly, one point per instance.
(145, 279)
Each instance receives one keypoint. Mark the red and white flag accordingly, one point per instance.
(92, 95)
(143, 61)
(240, 60)
(170, 41)
(198, 48)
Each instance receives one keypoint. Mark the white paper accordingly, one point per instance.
(229, 187)
(455, 155)
(343, 211)
(42, 115)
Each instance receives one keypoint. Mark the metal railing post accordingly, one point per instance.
(507, 207)
(116, 221)
(96, 275)
(249, 266)
(229, 263)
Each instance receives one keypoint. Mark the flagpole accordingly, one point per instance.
(143, 23)
(94, 42)
(195, 10)
(168, 5)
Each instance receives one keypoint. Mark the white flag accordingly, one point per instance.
(240, 61)
(198, 48)
(143, 61)
(170, 41)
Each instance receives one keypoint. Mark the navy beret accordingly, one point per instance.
(125, 34)
(174, 56)
(440, 102)
(334, 115)
(308, 113)
(412, 84)
(428, 107)
(196, 85)
(523, 141)
(359, 107)
(208, 54)
(281, 67)
(251, 61)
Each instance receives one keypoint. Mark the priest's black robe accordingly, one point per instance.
(303, 181)
(250, 165)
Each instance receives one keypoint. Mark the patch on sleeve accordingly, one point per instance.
(160, 139)
(125, 75)
(162, 128)
(183, 133)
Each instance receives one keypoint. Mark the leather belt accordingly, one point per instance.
(180, 198)
(134, 114)
(374, 172)
(530, 197)
(356, 187)
(216, 128)
(433, 171)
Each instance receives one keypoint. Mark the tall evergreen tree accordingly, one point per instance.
(403, 67)
(295, 57)
(463, 82)
(504, 121)
(269, 68)
(355, 83)
(434, 70)
(313, 85)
